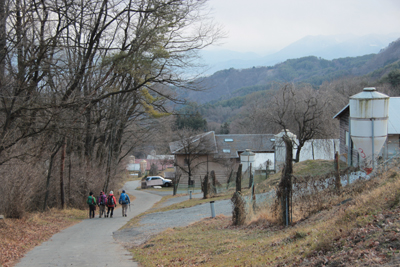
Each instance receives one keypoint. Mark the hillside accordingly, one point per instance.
(325, 46)
(359, 227)
(225, 84)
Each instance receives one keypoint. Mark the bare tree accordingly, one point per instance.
(193, 150)
(81, 75)
(302, 111)
(79, 54)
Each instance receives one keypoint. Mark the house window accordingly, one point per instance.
(228, 140)
(347, 138)
(186, 162)
(226, 150)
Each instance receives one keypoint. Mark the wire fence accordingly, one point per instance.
(310, 193)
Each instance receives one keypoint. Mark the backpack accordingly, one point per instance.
(110, 201)
(102, 200)
(125, 200)
(90, 200)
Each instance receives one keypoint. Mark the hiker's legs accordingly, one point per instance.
(91, 211)
(112, 211)
(108, 211)
(102, 210)
(124, 209)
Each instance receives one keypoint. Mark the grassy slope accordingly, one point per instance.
(360, 232)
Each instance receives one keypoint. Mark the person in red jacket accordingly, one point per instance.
(111, 203)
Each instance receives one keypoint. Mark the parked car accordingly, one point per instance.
(158, 180)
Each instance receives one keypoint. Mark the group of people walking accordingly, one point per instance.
(109, 201)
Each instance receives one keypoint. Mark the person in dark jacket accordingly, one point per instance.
(91, 201)
(101, 201)
(111, 203)
(124, 201)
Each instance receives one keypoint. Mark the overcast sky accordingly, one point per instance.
(263, 26)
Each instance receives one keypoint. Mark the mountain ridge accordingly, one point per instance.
(327, 47)
(311, 69)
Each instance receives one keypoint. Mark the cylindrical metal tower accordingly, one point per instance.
(369, 124)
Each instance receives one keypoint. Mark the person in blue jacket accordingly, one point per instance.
(124, 201)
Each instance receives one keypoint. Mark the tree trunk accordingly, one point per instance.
(285, 185)
(62, 166)
(176, 182)
(69, 179)
(239, 179)
(297, 159)
(214, 182)
(250, 177)
(3, 44)
(229, 180)
(88, 149)
(46, 195)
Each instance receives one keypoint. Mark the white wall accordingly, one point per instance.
(313, 149)
(259, 161)
(261, 158)
(319, 149)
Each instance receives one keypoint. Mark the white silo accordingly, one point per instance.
(369, 124)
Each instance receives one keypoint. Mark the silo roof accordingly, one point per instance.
(369, 93)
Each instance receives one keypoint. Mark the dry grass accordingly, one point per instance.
(308, 167)
(18, 236)
(364, 231)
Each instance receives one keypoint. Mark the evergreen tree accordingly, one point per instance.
(224, 129)
(191, 118)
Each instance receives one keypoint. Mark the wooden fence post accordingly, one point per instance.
(239, 179)
(205, 187)
(338, 184)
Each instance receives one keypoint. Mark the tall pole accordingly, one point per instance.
(349, 149)
(373, 145)
(207, 163)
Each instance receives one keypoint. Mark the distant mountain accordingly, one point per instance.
(327, 47)
(228, 83)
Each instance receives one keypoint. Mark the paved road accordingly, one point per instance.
(91, 242)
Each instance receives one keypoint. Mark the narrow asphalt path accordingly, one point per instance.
(91, 242)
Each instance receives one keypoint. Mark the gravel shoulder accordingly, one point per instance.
(157, 222)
